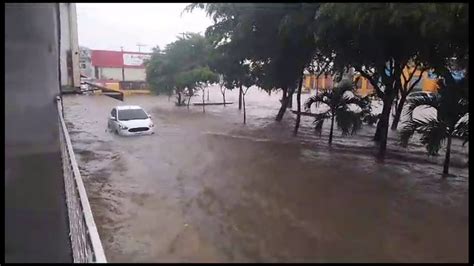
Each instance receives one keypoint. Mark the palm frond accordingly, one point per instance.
(433, 135)
(407, 132)
(351, 100)
(316, 100)
(462, 130)
(421, 101)
(432, 132)
(347, 121)
(369, 118)
(452, 108)
(343, 87)
(339, 100)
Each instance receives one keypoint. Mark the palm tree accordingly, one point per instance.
(338, 101)
(451, 120)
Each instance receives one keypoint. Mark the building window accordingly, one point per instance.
(82, 66)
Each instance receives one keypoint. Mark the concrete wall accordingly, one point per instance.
(69, 45)
(66, 79)
(36, 224)
(76, 76)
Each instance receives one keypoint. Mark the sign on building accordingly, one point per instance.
(134, 59)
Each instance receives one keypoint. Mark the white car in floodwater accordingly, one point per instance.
(128, 120)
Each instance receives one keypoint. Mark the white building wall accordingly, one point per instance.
(135, 74)
(131, 74)
(110, 73)
(85, 60)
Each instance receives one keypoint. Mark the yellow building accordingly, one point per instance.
(363, 85)
(323, 82)
(425, 84)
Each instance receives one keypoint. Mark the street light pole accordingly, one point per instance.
(123, 63)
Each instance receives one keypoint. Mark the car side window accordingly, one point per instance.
(114, 113)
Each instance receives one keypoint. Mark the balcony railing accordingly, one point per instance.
(85, 240)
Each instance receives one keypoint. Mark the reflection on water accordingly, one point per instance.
(206, 188)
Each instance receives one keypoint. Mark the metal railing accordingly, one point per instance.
(85, 240)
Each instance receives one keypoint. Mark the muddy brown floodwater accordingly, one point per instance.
(206, 188)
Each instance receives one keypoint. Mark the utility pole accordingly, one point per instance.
(140, 45)
(123, 69)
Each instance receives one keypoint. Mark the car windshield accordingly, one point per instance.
(131, 114)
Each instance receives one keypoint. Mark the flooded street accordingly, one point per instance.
(206, 188)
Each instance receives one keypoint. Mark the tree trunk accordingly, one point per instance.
(203, 92)
(284, 104)
(240, 97)
(223, 97)
(447, 158)
(298, 102)
(189, 100)
(384, 116)
(382, 127)
(332, 128)
(395, 107)
(245, 113)
(316, 86)
(179, 98)
(378, 131)
(290, 99)
(398, 112)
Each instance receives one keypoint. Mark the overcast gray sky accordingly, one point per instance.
(109, 26)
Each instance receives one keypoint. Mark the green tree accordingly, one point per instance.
(155, 68)
(247, 78)
(182, 67)
(199, 79)
(406, 87)
(379, 40)
(443, 32)
(451, 119)
(318, 66)
(275, 36)
(338, 102)
(227, 67)
(235, 71)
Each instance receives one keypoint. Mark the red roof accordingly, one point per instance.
(104, 58)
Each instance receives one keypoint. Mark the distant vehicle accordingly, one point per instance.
(84, 86)
(128, 120)
(418, 94)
